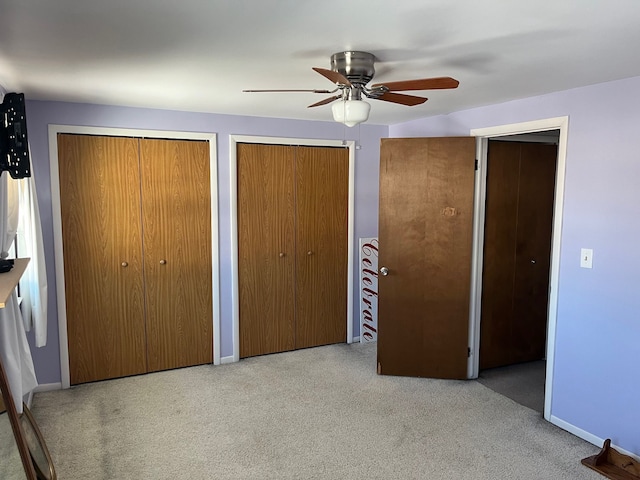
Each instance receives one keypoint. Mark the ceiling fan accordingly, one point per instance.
(351, 72)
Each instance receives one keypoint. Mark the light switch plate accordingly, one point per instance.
(586, 258)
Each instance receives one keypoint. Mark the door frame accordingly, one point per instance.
(483, 135)
(54, 130)
(233, 167)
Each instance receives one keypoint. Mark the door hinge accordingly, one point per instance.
(476, 167)
(468, 352)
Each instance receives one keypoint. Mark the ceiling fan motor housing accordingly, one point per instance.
(356, 66)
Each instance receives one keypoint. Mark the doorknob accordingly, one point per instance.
(533, 261)
(281, 254)
(309, 253)
(163, 262)
(124, 264)
(384, 271)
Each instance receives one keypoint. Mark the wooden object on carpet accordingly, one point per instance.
(612, 464)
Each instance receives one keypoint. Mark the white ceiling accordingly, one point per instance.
(199, 55)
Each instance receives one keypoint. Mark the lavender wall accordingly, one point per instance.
(597, 356)
(41, 114)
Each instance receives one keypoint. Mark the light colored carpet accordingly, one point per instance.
(315, 413)
(10, 463)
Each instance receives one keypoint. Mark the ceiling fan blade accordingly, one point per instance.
(269, 91)
(325, 101)
(420, 84)
(335, 77)
(409, 100)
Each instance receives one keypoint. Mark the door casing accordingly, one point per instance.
(233, 141)
(57, 225)
(482, 135)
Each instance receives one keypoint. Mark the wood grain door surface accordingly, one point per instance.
(292, 246)
(517, 252)
(425, 234)
(266, 248)
(176, 208)
(137, 254)
(103, 268)
(322, 192)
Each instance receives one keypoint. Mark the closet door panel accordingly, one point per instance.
(322, 192)
(533, 250)
(519, 219)
(101, 230)
(176, 208)
(501, 218)
(266, 248)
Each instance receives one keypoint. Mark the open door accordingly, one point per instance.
(425, 234)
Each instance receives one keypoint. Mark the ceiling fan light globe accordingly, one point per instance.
(351, 112)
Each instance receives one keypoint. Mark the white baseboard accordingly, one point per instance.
(356, 339)
(228, 359)
(589, 437)
(48, 387)
(28, 398)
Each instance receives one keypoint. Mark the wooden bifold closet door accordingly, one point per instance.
(176, 216)
(102, 242)
(137, 254)
(517, 252)
(292, 246)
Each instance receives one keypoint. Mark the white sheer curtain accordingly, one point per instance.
(33, 286)
(14, 349)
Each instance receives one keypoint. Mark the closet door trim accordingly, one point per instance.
(54, 130)
(233, 141)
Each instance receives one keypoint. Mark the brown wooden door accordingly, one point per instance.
(266, 248)
(517, 254)
(176, 206)
(425, 234)
(101, 230)
(292, 246)
(322, 192)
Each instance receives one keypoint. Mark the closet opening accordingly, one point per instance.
(521, 173)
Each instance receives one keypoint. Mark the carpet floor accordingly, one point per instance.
(314, 413)
(522, 383)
